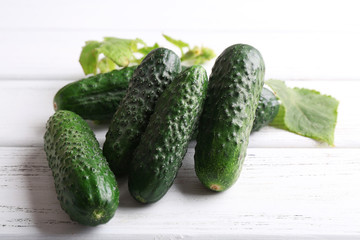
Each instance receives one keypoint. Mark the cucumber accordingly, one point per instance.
(235, 85)
(151, 77)
(85, 186)
(96, 97)
(158, 157)
(266, 110)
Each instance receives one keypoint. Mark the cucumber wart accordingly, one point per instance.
(85, 186)
(151, 77)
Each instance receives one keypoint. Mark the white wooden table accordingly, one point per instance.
(291, 187)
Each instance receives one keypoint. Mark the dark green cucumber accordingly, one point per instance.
(96, 97)
(85, 186)
(158, 157)
(266, 110)
(235, 85)
(151, 77)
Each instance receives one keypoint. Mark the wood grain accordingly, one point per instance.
(281, 192)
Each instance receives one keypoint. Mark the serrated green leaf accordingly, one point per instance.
(180, 44)
(305, 112)
(140, 41)
(123, 52)
(145, 51)
(134, 44)
(89, 57)
(198, 55)
(106, 65)
(115, 40)
(120, 51)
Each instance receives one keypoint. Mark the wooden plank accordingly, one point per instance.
(33, 103)
(300, 55)
(304, 193)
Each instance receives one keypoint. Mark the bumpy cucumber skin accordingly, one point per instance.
(156, 71)
(85, 186)
(96, 97)
(235, 85)
(158, 157)
(266, 110)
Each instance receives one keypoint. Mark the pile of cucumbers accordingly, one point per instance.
(155, 109)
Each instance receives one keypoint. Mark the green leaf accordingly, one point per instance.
(120, 51)
(145, 51)
(180, 44)
(198, 55)
(89, 57)
(305, 112)
(138, 41)
(106, 65)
